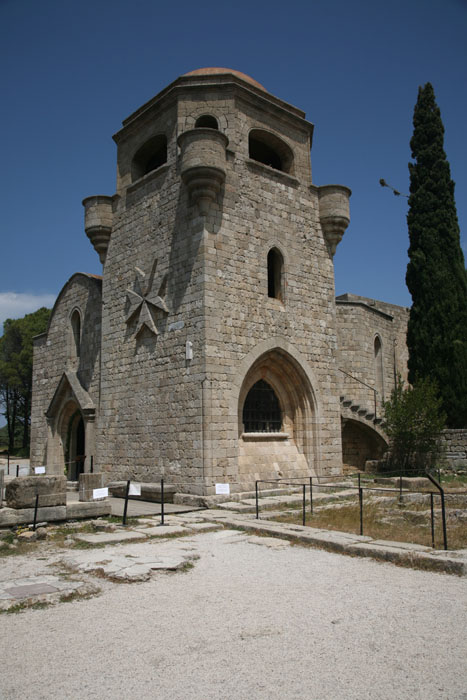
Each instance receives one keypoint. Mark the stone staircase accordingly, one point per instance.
(355, 411)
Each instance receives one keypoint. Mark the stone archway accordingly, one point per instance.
(291, 451)
(70, 435)
(360, 443)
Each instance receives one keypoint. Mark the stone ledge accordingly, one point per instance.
(277, 174)
(73, 511)
(265, 436)
(403, 553)
(150, 491)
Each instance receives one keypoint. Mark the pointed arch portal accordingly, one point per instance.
(70, 434)
(277, 419)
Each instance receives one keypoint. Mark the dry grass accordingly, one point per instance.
(383, 522)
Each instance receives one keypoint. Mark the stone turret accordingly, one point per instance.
(334, 213)
(203, 164)
(98, 223)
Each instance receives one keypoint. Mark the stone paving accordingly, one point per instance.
(48, 589)
(133, 553)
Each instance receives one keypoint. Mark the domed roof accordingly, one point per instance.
(219, 71)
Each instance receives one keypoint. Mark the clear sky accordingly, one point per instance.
(74, 69)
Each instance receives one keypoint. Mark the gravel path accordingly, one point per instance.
(248, 621)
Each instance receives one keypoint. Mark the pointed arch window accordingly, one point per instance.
(261, 410)
(275, 274)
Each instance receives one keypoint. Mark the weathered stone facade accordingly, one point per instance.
(372, 353)
(454, 445)
(218, 278)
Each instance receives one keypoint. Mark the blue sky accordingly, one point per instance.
(74, 69)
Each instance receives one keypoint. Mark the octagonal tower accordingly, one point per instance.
(218, 322)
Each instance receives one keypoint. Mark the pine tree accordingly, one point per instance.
(436, 275)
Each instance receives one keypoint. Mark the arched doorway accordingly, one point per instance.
(70, 429)
(76, 446)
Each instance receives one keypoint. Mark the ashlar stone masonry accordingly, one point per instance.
(209, 350)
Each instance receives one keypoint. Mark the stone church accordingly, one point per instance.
(212, 349)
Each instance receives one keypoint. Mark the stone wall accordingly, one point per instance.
(54, 354)
(360, 321)
(454, 442)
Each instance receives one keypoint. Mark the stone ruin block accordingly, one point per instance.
(149, 491)
(87, 483)
(21, 492)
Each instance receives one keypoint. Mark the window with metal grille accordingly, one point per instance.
(261, 410)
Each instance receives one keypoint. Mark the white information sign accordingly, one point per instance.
(222, 489)
(135, 489)
(100, 493)
(39, 470)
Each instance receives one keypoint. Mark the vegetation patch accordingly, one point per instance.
(383, 522)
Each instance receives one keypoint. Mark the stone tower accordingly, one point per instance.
(218, 341)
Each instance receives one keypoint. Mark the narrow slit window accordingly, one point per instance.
(261, 410)
(379, 376)
(76, 333)
(275, 274)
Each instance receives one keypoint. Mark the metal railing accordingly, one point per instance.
(372, 388)
(307, 483)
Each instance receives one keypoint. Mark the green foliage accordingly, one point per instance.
(16, 350)
(436, 275)
(413, 420)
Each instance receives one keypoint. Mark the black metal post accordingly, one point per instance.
(17, 470)
(358, 476)
(443, 517)
(432, 521)
(35, 513)
(162, 502)
(311, 495)
(443, 510)
(304, 511)
(360, 498)
(8, 463)
(125, 507)
(257, 502)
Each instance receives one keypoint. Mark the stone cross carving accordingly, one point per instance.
(140, 305)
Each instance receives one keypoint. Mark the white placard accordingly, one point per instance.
(135, 489)
(100, 493)
(222, 489)
(39, 470)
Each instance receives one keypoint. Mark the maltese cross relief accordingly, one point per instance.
(146, 300)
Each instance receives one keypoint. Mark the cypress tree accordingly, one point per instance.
(436, 275)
